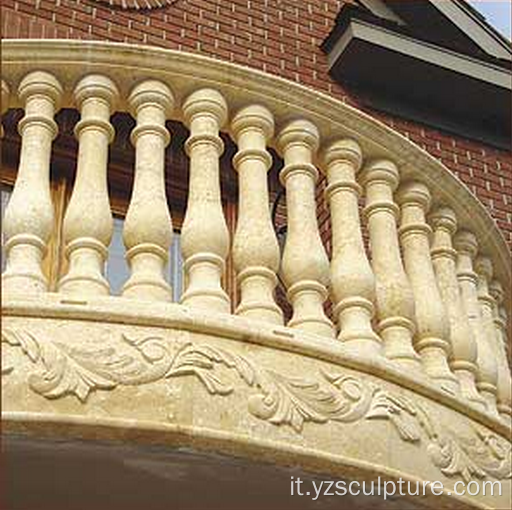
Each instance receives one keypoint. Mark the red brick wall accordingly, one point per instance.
(277, 36)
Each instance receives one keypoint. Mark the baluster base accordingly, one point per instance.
(147, 262)
(307, 298)
(204, 290)
(465, 374)
(505, 413)
(435, 363)
(257, 286)
(396, 334)
(85, 276)
(23, 274)
(488, 392)
(354, 317)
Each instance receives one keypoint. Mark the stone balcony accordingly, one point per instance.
(407, 377)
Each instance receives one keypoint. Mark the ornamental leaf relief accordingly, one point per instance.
(279, 399)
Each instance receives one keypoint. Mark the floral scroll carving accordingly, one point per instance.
(62, 369)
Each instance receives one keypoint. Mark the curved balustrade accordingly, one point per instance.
(423, 307)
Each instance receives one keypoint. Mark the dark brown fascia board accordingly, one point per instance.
(442, 57)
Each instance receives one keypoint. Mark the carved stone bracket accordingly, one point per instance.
(278, 399)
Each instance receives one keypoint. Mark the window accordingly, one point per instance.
(117, 271)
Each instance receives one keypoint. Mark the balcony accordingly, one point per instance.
(404, 374)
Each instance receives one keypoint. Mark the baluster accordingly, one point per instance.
(255, 247)
(29, 217)
(204, 235)
(148, 228)
(431, 339)
(395, 301)
(88, 220)
(304, 266)
(504, 388)
(464, 349)
(483, 268)
(5, 103)
(352, 280)
(466, 245)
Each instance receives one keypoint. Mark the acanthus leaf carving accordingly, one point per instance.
(279, 399)
(294, 401)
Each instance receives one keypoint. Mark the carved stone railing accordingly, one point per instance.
(419, 334)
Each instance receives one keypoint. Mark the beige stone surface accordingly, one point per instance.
(27, 229)
(504, 389)
(154, 383)
(204, 234)
(463, 356)
(148, 230)
(394, 297)
(352, 279)
(137, 370)
(255, 248)
(467, 247)
(433, 328)
(304, 263)
(88, 222)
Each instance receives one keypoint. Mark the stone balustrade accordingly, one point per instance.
(424, 301)
(423, 307)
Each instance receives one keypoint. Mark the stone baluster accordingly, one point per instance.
(352, 280)
(463, 343)
(204, 235)
(431, 340)
(255, 247)
(88, 220)
(466, 245)
(148, 228)
(395, 301)
(504, 388)
(29, 218)
(4, 105)
(304, 266)
(483, 268)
